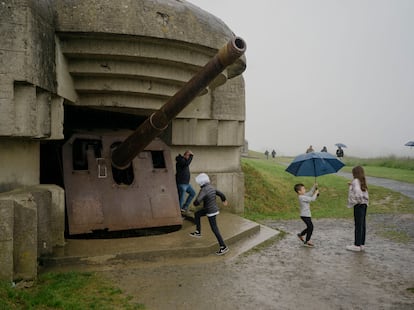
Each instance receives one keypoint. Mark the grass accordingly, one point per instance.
(72, 290)
(397, 174)
(394, 168)
(391, 167)
(387, 162)
(269, 193)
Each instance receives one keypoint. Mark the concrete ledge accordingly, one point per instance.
(239, 234)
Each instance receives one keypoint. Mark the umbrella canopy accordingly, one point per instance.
(340, 145)
(314, 164)
(409, 143)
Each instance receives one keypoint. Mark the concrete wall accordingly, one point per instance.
(6, 239)
(18, 238)
(19, 162)
(32, 224)
(27, 67)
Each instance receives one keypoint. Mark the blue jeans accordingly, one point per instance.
(183, 189)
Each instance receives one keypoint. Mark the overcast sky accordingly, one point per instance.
(326, 71)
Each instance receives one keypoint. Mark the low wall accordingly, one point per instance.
(32, 223)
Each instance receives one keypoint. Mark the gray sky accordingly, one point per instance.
(326, 71)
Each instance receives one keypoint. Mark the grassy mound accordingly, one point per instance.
(269, 194)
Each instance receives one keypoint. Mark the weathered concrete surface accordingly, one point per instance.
(18, 242)
(6, 239)
(25, 238)
(19, 162)
(50, 203)
(32, 224)
(26, 66)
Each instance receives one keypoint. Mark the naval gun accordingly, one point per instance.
(123, 180)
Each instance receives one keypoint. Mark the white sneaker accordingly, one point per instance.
(362, 247)
(196, 234)
(222, 250)
(353, 248)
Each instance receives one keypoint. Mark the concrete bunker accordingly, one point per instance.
(98, 70)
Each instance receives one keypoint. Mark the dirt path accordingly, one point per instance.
(286, 275)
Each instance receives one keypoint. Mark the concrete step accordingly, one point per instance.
(239, 234)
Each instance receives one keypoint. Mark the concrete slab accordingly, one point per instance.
(239, 234)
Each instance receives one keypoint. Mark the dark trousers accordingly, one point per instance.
(360, 214)
(213, 225)
(309, 227)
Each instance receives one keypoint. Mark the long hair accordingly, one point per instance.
(358, 173)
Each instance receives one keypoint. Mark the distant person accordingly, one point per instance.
(310, 149)
(182, 178)
(207, 196)
(305, 198)
(340, 152)
(273, 153)
(358, 199)
(324, 149)
(267, 154)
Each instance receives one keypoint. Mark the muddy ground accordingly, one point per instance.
(286, 275)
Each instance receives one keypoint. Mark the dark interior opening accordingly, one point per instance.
(122, 176)
(80, 119)
(158, 160)
(51, 166)
(79, 152)
(89, 119)
(141, 232)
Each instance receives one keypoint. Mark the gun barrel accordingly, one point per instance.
(159, 120)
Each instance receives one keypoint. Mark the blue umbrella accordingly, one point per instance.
(409, 143)
(340, 145)
(314, 164)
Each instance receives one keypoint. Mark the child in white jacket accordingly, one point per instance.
(305, 199)
(358, 199)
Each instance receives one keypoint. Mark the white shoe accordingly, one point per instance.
(362, 247)
(222, 250)
(353, 248)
